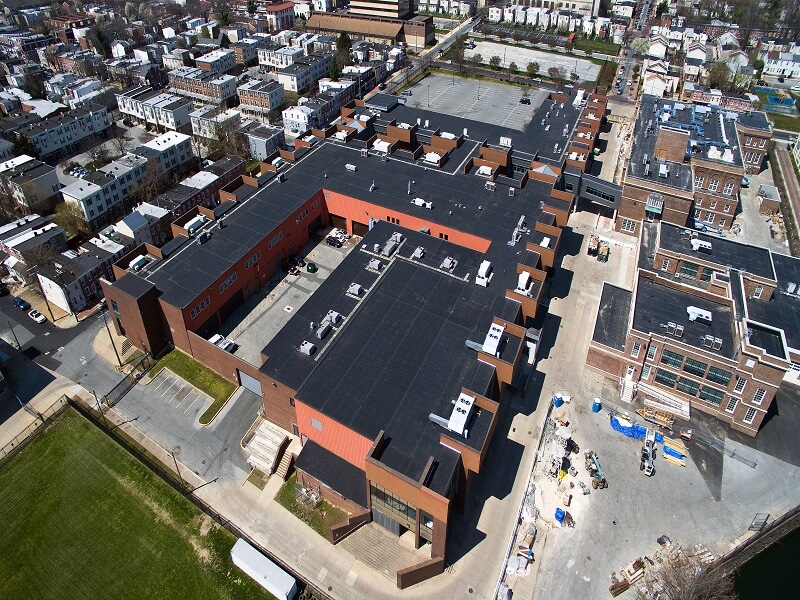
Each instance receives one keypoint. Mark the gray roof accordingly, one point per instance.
(611, 327)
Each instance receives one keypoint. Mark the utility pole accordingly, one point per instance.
(111, 338)
(177, 470)
(99, 408)
(15, 336)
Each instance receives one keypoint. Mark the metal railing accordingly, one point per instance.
(24, 437)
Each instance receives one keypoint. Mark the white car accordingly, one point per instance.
(795, 88)
(37, 316)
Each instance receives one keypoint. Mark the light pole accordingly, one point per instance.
(111, 338)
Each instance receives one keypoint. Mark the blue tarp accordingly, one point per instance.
(634, 432)
(671, 452)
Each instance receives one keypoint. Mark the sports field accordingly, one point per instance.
(80, 518)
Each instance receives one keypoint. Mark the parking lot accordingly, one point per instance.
(586, 69)
(489, 102)
(527, 34)
(253, 325)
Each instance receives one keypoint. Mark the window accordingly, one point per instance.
(665, 264)
(646, 372)
(719, 376)
(750, 415)
(761, 393)
(635, 351)
(276, 239)
(671, 359)
(706, 274)
(728, 189)
(651, 352)
(393, 506)
(698, 181)
(114, 307)
(695, 367)
(225, 284)
(713, 205)
(688, 386)
(711, 395)
(697, 213)
(689, 270)
(709, 217)
(665, 377)
(600, 194)
(740, 383)
(252, 260)
(731, 406)
(316, 424)
(748, 141)
(762, 142)
(727, 207)
(722, 222)
(758, 292)
(713, 184)
(628, 226)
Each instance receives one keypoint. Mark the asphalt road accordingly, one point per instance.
(19, 330)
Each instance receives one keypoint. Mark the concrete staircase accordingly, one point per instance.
(381, 550)
(626, 395)
(286, 463)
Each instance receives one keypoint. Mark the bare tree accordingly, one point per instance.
(70, 216)
(154, 182)
(120, 141)
(39, 256)
(8, 202)
(228, 140)
(680, 578)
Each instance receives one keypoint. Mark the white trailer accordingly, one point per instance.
(269, 575)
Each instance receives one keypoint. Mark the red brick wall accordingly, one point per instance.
(334, 437)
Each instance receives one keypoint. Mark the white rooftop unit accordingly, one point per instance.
(524, 283)
(307, 348)
(334, 317)
(448, 264)
(484, 171)
(422, 203)
(375, 265)
(492, 342)
(355, 289)
(418, 253)
(194, 224)
(432, 158)
(484, 274)
(701, 246)
(137, 263)
(696, 313)
(461, 413)
(265, 572)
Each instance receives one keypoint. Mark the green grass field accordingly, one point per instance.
(81, 518)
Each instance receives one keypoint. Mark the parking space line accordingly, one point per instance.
(175, 395)
(160, 383)
(164, 393)
(192, 404)
(186, 395)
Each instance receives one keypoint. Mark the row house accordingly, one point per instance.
(781, 64)
(207, 119)
(25, 237)
(279, 16)
(176, 59)
(202, 85)
(274, 57)
(162, 110)
(246, 51)
(146, 224)
(704, 95)
(305, 72)
(264, 141)
(218, 61)
(59, 135)
(30, 181)
(258, 98)
(24, 44)
(72, 280)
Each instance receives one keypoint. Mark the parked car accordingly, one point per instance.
(37, 316)
(334, 241)
(524, 100)
(127, 122)
(21, 304)
(382, 86)
(795, 88)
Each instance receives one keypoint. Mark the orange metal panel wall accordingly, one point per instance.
(335, 437)
(360, 211)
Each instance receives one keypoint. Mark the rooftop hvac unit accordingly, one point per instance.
(448, 264)
(138, 263)
(389, 248)
(523, 283)
(717, 344)
(355, 289)
(708, 340)
(696, 313)
(397, 237)
(701, 246)
(491, 344)
(307, 348)
(375, 265)
(323, 329)
(790, 288)
(422, 203)
(351, 168)
(418, 253)
(484, 274)
(334, 317)
(462, 410)
(679, 331)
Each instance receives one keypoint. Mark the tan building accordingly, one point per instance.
(395, 9)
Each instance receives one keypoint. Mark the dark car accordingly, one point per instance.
(21, 304)
(333, 241)
(524, 100)
(127, 122)
(382, 86)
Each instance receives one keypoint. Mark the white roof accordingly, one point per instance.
(80, 189)
(200, 180)
(171, 138)
(15, 162)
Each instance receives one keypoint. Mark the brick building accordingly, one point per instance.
(390, 439)
(258, 98)
(203, 85)
(711, 325)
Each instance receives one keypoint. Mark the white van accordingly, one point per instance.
(195, 224)
(278, 162)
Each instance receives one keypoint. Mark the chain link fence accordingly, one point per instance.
(24, 437)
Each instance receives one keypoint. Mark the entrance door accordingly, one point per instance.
(631, 370)
(250, 383)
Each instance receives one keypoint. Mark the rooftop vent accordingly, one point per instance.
(422, 203)
(355, 289)
(307, 348)
(375, 265)
(701, 246)
(418, 253)
(696, 313)
(491, 344)
(448, 264)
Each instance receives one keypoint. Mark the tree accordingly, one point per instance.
(719, 76)
(24, 145)
(680, 578)
(131, 11)
(34, 85)
(569, 46)
(532, 69)
(557, 76)
(476, 60)
(574, 76)
(69, 215)
(343, 46)
(333, 71)
(457, 51)
(495, 61)
(227, 140)
(204, 33)
(155, 180)
(251, 7)
(662, 7)
(758, 65)
(8, 202)
(501, 35)
(517, 37)
(222, 10)
(512, 66)
(640, 46)
(39, 256)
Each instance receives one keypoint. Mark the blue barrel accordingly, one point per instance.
(557, 401)
(559, 515)
(596, 406)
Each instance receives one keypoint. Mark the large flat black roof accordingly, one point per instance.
(459, 201)
(783, 309)
(400, 352)
(724, 251)
(611, 327)
(657, 305)
(333, 471)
